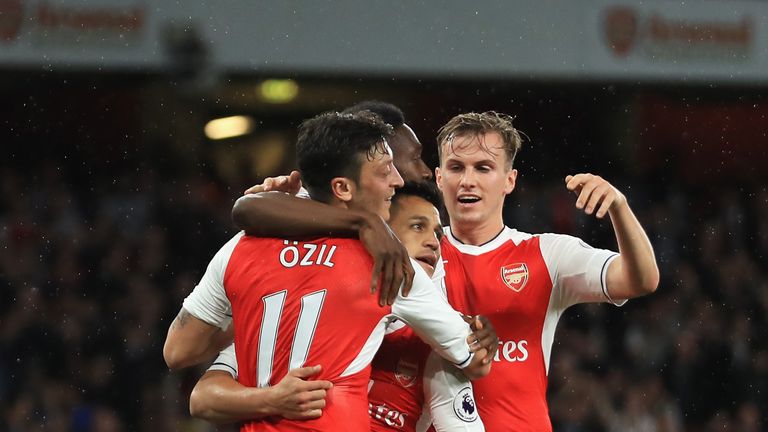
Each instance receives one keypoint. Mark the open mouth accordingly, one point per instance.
(468, 199)
(427, 258)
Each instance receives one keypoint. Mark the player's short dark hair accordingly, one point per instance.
(426, 190)
(333, 145)
(391, 114)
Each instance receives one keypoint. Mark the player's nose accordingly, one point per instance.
(424, 170)
(397, 179)
(431, 241)
(468, 178)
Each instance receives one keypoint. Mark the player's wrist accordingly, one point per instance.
(362, 220)
(264, 401)
(620, 205)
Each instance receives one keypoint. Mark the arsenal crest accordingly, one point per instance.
(11, 19)
(515, 276)
(620, 28)
(406, 372)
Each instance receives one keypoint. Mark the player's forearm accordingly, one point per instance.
(274, 214)
(218, 398)
(635, 272)
(191, 341)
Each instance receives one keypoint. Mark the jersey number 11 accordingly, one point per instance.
(311, 305)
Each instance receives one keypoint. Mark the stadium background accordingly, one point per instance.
(114, 196)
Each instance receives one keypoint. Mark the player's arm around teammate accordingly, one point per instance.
(219, 398)
(259, 213)
(269, 214)
(634, 272)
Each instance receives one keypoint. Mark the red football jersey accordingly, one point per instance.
(396, 395)
(305, 303)
(522, 283)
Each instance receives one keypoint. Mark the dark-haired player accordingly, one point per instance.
(295, 303)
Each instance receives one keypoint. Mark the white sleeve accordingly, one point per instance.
(303, 193)
(226, 361)
(577, 270)
(208, 301)
(425, 420)
(433, 319)
(448, 393)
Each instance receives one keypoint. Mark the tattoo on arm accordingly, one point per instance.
(181, 318)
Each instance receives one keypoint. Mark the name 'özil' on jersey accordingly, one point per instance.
(294, 304)
(312, 310)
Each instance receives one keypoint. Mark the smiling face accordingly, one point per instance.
(475, 177)
(376, 183)
(416, 222)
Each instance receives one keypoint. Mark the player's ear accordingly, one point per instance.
(510, 181)
(342, 188)
(439, 178)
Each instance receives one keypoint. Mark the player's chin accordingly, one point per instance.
(467, 214)
(383, 211)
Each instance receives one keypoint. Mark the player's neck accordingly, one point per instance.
(476, 233)
(339, 204)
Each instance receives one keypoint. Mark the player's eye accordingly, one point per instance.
(417, 227)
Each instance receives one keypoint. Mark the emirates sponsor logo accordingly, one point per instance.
(390, 417)
(515, 276)
(512, 351)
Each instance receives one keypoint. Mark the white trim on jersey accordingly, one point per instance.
(577, 272)
(580, 268)
(576, 269)
(439, 273)
(505, 235)
(369, 349)
(208, 301)
(394, 326)
(424, 310)
(604, 281)
(431, 318)
(226, 361)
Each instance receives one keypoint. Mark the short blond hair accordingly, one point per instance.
(481, 123)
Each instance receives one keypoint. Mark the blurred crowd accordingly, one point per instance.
(691, 357)
(93, 270)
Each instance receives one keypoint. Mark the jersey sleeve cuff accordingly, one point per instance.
(218, 366)
(604, 283)
(199, 311)
(466, 362)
